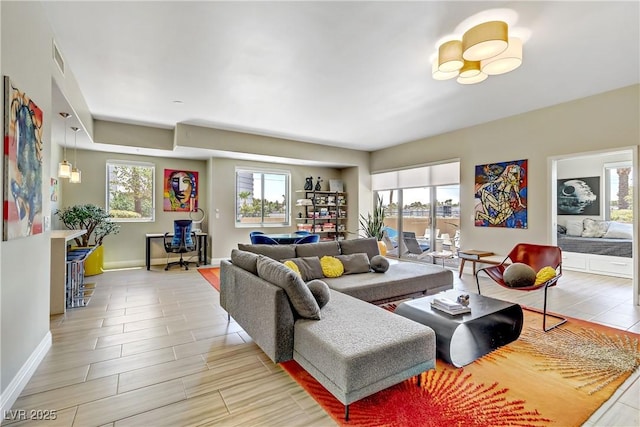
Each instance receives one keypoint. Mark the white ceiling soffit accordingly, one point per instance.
(349, 74)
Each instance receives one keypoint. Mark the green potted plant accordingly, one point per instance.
(373, 224)
(98, 224)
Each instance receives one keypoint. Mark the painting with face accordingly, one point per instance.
(180, 190)
(579, 196)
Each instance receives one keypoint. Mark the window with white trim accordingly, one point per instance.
(619, 192)
(130, 195)
(262, 198)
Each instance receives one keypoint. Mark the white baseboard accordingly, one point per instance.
(215, 262)
(19, 382)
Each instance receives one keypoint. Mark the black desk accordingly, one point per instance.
(202, 247)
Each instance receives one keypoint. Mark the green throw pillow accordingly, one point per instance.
(519, 275)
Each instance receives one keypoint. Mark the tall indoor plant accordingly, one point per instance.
(373, 224)
(98, 224)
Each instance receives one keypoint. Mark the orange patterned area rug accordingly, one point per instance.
(558, 378)
(211, 275)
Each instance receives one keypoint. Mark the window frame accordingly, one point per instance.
(608, 194)
(131, 163)
(262, 224)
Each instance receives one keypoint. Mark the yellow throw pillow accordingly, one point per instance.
(545, 273)
(331, 266)
(292, 265)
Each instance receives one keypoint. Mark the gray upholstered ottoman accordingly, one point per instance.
(358, 349)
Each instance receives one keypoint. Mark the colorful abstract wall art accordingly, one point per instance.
(180, 190)
(501, 194)
(23, 153)
(54, 189)
(579, 196)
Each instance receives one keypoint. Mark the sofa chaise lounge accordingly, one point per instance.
(353, 348)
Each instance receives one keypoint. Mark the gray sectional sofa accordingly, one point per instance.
(352, 347)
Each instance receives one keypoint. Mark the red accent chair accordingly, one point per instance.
(535, 256)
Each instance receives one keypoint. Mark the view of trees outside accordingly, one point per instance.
(621, 191)
(130, 191)
(262, 197)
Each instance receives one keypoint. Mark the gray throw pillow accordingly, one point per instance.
(299, 294)
(357, 246)
(245, 260)
(379, 264)
(594, 227)
(519, 275)
(320, 291)
(355, 263)
(277, 252)
(309, 267)
(619, 230)
(319, 249)
(574, 228)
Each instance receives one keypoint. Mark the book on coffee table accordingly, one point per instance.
(449, 306)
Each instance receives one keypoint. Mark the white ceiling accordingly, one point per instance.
(349, 74)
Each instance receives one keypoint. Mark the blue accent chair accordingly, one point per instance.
(311, 238)
(261, 239)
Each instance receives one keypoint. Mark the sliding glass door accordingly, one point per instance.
(448, 217)
(425, 212)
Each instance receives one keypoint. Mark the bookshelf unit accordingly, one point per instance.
(325, 213)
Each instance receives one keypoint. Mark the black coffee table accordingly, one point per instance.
(463, 338)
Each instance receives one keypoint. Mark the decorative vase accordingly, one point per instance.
(382, 248)
(94, 262)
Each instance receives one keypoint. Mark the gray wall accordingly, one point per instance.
(127, 248)
(24, 273)
(225, 236)
(608, 121)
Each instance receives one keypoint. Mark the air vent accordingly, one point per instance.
(57, 57)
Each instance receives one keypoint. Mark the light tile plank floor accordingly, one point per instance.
(154, 348)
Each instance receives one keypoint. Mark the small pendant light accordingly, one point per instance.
(64, 167)
(76, 174)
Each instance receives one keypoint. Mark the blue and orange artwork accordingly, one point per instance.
(23, 152)
(180, 190)
(501, 195)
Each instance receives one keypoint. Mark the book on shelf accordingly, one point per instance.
(449, 306)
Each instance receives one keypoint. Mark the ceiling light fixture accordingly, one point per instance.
(507, 61)
(485, 40)
(64, 167)
(485, 50)
(76, 174)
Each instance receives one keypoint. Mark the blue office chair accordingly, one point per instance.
(311, 238)
(302, 232)
(183, 241)
(261, 239)
(253, 233)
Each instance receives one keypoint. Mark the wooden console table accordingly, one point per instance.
(474, 255)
